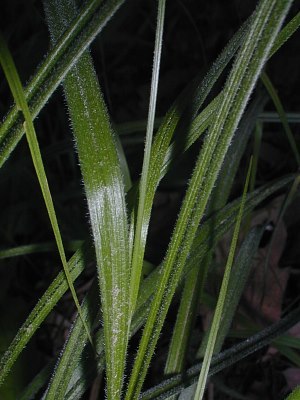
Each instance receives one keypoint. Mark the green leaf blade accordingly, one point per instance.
(21, 103)
(104, 188)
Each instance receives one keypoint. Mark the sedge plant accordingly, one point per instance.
(129, 298)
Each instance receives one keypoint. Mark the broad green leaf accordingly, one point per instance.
(248, 64)
(295, 395)
(104, 188)
(18, 94)
(55, 67)
(59, 286)
(224, 220)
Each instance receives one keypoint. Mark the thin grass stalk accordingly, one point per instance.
(282, 115)
(238, 279)
(221, 299)
(60, 378)
(195, 281)
(33, 248)
(18, 94)
(223, 360)
(141, 230)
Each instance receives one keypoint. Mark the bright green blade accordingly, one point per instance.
(141, 222)
(18, 94)
(104, 188)
(295, 395)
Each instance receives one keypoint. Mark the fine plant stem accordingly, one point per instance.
(221, 300)
(141, 231)
(256, 149)
(282, 115)
(19, 96)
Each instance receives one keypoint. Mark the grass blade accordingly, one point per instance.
(289, 29)
(237, 281)
(246, 69)
(52, 295)
(141, 229)
(54, 69)
(225, 359)
(105, 195)
(11, 130)
(282, 115)
(195, 281)
(37, 248)
(37, 383)
(223, 222)
(74, 347)
(295, 395)
(220, 307)
(18, 94)
(82, 256)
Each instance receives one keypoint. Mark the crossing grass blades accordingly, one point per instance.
(122, 300)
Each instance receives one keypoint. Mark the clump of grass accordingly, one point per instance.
(121, 300)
